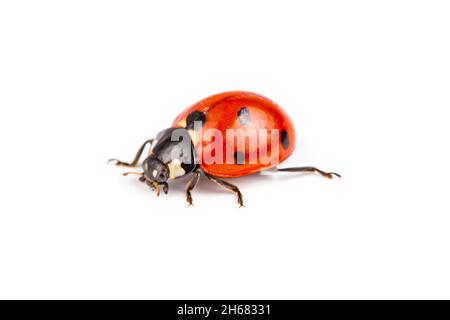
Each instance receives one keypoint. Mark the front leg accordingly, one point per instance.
(135, 161)
(165, 188)
(191, 185)
(156, 186)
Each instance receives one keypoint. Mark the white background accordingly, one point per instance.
(366, 83)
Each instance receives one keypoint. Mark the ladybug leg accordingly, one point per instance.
(165, 186)
(228, 186)
(134, 163)
(191, 185)
(328, 175)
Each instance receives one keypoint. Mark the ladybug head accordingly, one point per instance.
(155, 170)
(170, 157)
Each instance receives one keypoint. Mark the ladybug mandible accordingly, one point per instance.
(214, 137)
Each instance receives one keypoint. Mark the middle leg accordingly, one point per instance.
(228, 186)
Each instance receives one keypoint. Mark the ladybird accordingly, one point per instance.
(227, 135)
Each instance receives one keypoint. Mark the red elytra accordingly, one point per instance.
(245, 113)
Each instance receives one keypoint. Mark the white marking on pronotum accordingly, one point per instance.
(155, 172)
(175, 169)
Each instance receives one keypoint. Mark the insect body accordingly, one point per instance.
(227, 135)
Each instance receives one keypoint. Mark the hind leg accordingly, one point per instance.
(328, 175)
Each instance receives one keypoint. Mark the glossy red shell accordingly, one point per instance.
(221, 112)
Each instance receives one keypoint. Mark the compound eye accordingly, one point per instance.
(155, 170)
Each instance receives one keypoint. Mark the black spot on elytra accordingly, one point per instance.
(284, 139)
(244, 116)
(239, 158)
(193, 117)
